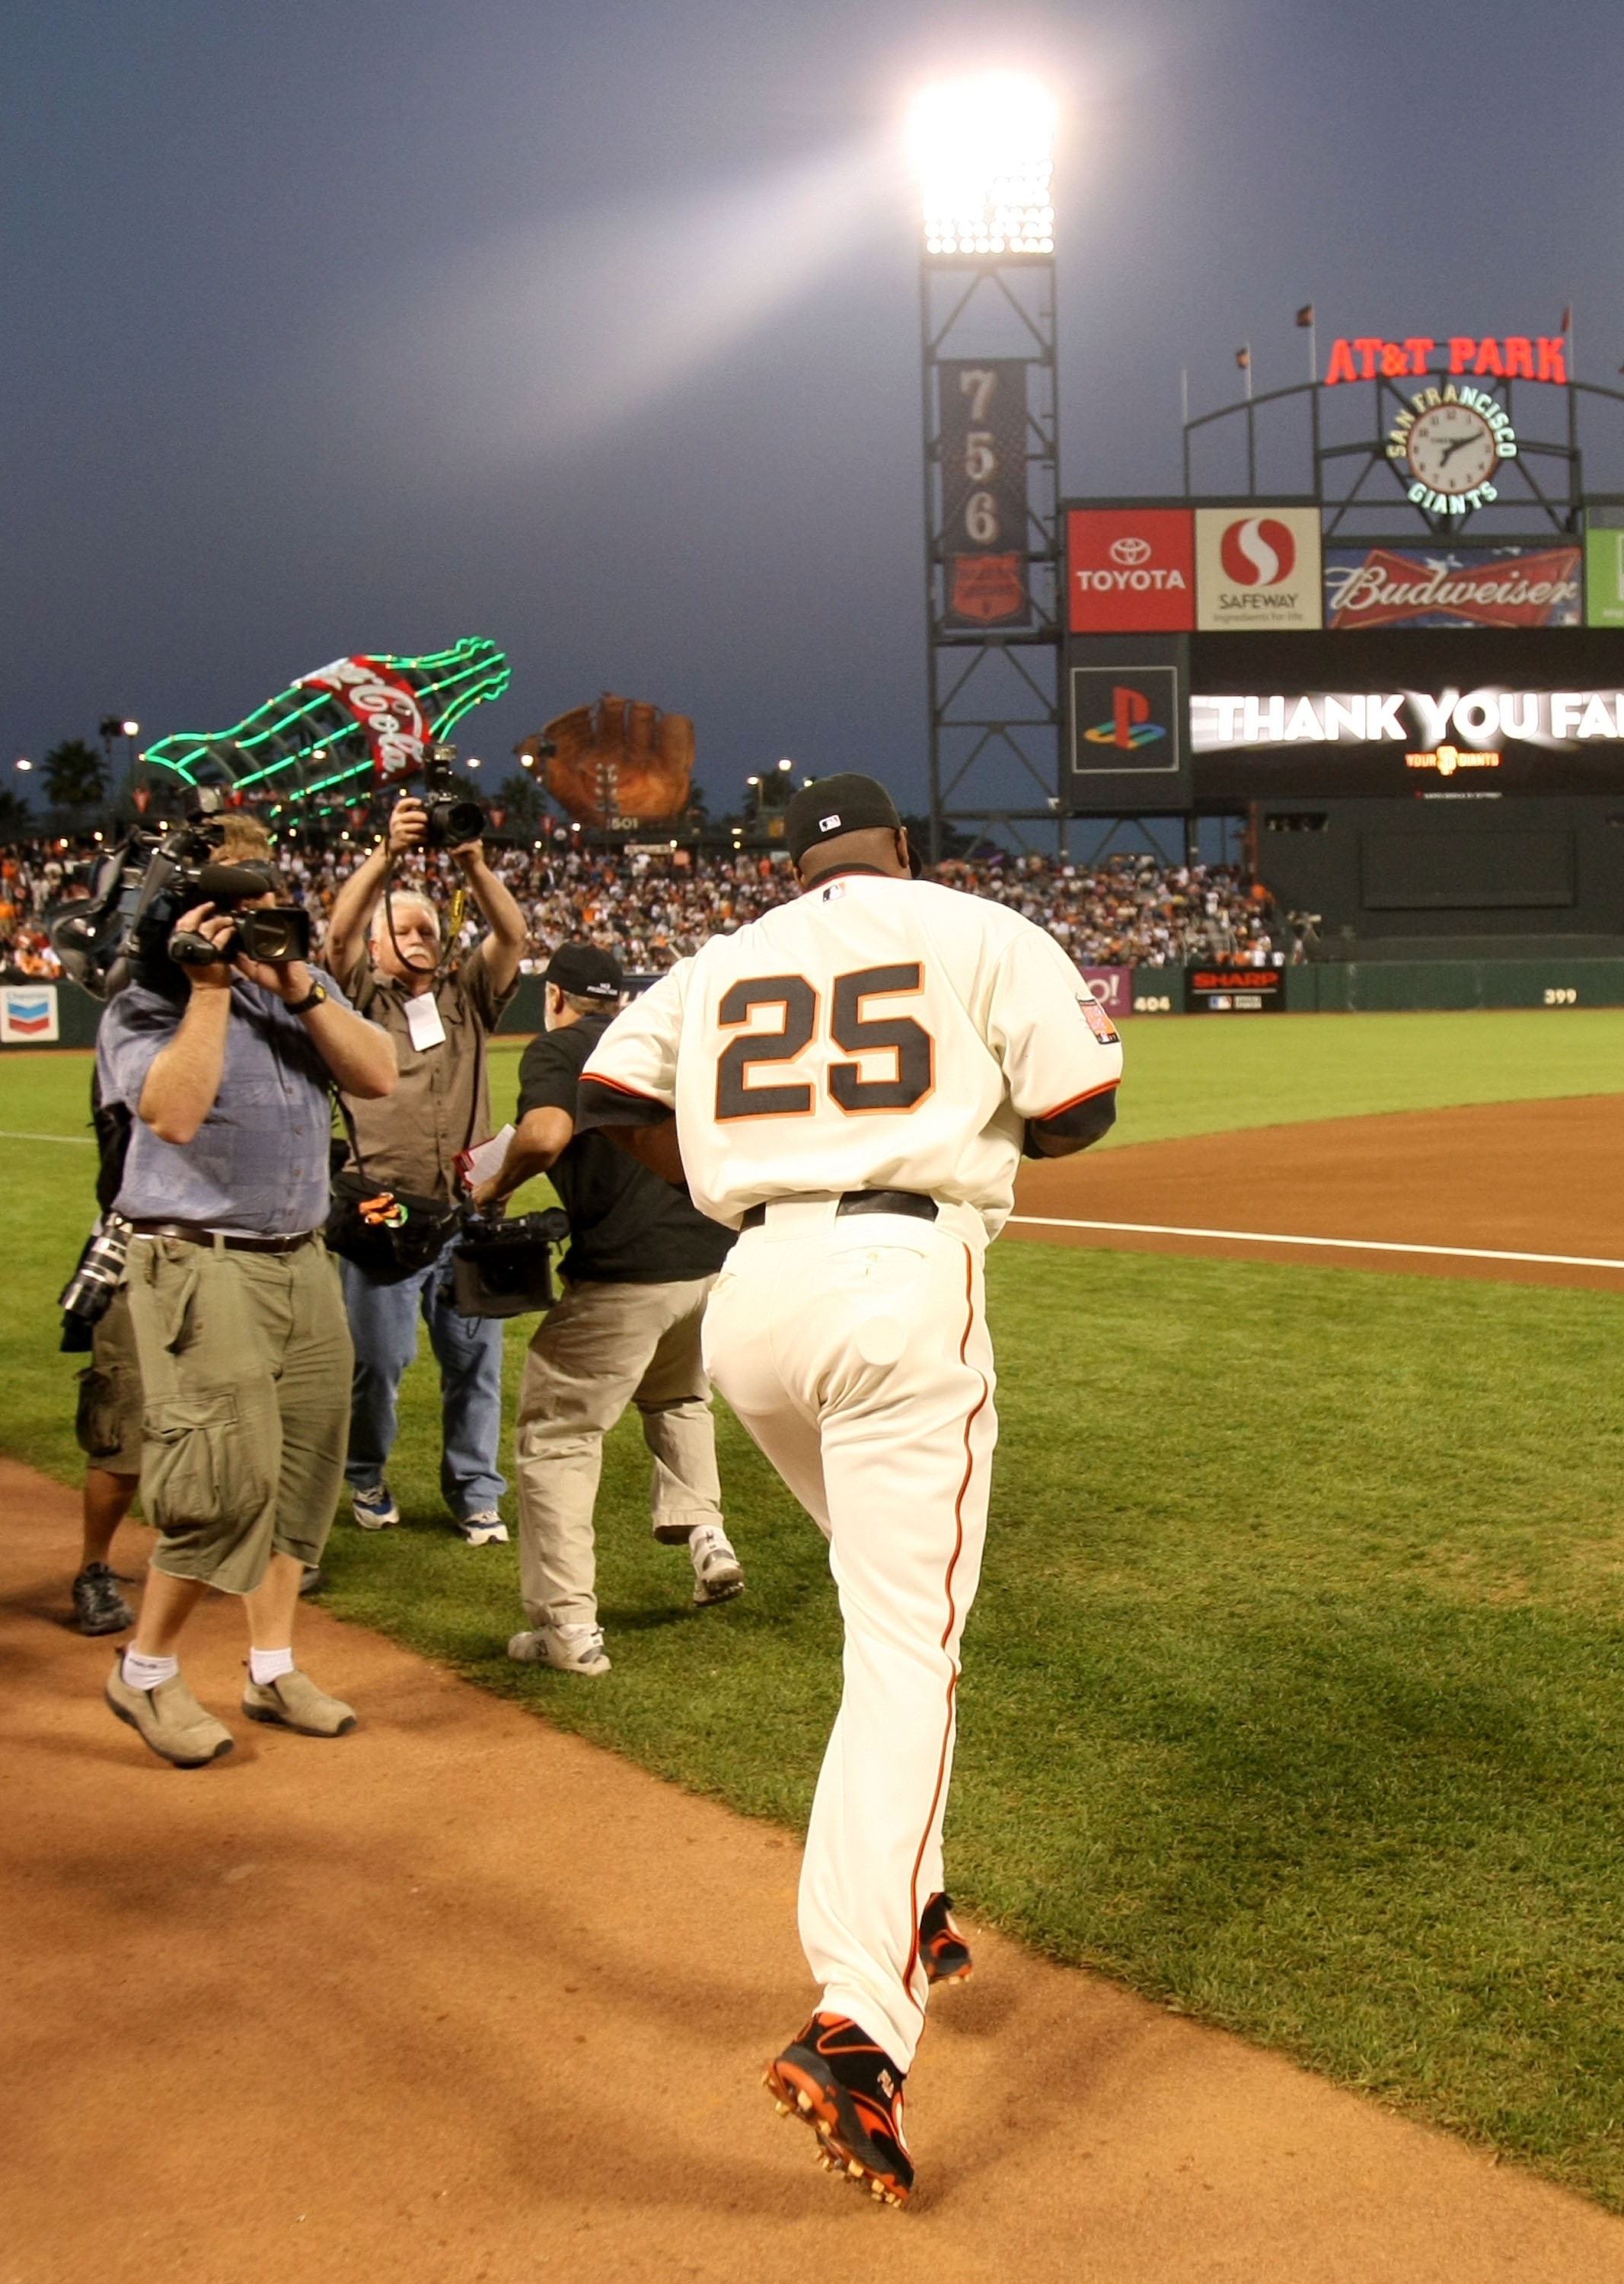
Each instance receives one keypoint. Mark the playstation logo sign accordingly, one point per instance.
(1130, 724)
(1125, 725)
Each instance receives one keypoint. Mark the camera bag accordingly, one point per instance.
(389, 1233)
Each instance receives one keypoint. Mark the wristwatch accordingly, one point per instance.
(316, 997)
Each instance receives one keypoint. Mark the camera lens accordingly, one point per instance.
(464, 820)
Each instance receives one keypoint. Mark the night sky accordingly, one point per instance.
(357, 326)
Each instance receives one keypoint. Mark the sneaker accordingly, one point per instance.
(98, 1607)
(485, 1529)
(170, 1720)
(718, 1574)
(314, 1581)
(850, 2093)
(569, 1649)
(941, 1943)
(375, 1509)
(293, 1701)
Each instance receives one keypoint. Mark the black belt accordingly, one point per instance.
(860, 1201)
(196, 1232)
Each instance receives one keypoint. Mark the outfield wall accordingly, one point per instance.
(61, 1015)
(1359, 986)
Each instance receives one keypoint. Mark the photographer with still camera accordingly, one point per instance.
(223, 1046)
(384, 946)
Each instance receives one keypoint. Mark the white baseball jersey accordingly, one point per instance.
(875, 1034)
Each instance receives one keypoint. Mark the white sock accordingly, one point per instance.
(268, 1665)
(146, 1672)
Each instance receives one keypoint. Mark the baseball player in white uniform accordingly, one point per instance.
(850, 1082)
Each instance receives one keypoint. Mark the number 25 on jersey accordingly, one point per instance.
(914, 1052)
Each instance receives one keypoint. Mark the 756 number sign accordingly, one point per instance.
(983, 445)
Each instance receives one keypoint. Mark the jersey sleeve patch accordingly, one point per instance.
(1095, 1016)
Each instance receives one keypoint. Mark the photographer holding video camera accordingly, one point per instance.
(224, 1045)
(384, 944)
(96, 1305)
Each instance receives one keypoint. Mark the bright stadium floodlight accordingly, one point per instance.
(984, 149)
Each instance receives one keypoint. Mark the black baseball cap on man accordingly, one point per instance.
(848, 802)
(586, 972)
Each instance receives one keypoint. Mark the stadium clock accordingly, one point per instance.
(1448, 442)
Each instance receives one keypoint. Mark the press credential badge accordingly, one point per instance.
(423, 1021)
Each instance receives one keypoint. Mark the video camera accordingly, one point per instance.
(504, 1268)
(126, 927)
(275, 932)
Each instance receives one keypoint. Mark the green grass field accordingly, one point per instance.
(1294, 1692)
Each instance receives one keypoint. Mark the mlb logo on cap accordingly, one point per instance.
(828, 824)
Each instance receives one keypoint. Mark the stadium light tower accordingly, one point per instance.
(986, 155)
(984, 148)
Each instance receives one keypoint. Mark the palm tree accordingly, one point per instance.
(75, 775)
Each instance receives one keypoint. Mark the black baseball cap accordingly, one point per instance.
(845, 803)
(583, 969)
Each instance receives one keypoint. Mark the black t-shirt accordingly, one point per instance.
(627, 1226)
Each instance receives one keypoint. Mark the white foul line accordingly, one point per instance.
(1346, 1244)
(84, 1141)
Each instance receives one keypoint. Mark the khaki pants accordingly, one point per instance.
(245, 1359)
(108, 1424)
(602, 1348)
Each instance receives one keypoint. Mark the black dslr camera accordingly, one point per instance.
(453, 817)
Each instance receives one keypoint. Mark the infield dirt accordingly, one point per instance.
(460, 1998)
(1512, 1177)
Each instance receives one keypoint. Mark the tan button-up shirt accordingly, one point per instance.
(441, 1101)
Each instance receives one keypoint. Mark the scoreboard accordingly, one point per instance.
(1217, 655)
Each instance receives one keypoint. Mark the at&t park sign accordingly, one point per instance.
(1518, 356)
(1452, 435)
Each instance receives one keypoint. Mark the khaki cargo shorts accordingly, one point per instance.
(108, 1424)
(245, 1359)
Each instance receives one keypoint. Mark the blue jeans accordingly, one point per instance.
(383, 1324)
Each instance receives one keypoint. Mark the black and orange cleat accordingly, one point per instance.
(850, 2093)
(942, 1943)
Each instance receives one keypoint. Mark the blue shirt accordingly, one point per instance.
(258, 1163)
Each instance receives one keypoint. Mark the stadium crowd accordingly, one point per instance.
(653, 907)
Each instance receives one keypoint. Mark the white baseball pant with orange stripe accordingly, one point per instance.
(855, 1350)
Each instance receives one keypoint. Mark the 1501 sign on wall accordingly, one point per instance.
(983, 447)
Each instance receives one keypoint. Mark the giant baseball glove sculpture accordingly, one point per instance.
(617, 759)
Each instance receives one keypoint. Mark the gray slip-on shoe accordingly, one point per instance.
(170, 1720)
(293, 1701)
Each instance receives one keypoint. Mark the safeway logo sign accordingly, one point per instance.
(1258, 550)
(1131, 570)
(1258, 568)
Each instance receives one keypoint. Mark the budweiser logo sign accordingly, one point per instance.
(1390, 587)
(385, 705)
